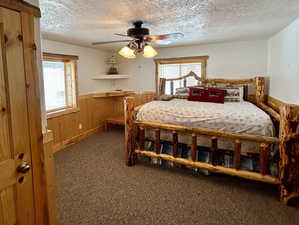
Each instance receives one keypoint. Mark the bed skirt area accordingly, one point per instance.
(249, 161)
(248, 147)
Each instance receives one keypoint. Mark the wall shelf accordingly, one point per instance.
(112, 94)
(110, 77)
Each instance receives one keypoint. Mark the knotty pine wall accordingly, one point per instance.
(71, 128)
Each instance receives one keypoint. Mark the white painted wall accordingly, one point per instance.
(91, 62)
(283, 64)
(227, 60)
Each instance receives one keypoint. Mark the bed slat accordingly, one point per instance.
(157, 141)
(216, 169)
(175, 144)
(214, 148)
(237, 155)
(194, 147)
(141, 137)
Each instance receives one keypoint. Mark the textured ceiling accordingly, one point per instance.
(202, 21)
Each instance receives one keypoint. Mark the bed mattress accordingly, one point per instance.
(237, 117)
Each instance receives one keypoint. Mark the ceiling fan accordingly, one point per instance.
(140, 41)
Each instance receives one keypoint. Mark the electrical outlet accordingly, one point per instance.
(80, 126)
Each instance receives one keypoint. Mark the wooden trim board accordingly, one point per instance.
(70, 141)
(50, 177)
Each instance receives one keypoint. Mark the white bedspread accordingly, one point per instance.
(237, 117)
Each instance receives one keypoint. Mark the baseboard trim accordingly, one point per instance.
(70, 141)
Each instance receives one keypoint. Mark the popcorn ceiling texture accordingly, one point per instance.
(202, 21)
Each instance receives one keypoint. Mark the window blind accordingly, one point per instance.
(178, 70)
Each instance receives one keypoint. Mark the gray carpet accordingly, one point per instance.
(95, 187)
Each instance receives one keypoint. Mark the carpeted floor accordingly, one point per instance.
(95, 187)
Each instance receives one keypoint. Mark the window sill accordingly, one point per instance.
(62, 112)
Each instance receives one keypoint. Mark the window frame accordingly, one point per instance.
(70, 108)
(193, 59)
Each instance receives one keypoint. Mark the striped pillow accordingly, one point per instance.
(234, 94)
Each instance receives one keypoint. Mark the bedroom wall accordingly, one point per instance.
(283, 64)
(227, 60)
(91, 62)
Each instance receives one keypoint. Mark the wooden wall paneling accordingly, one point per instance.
(54, 126)
(68, 125)
(97, 109)
(92, 115)
(118, 106)
(83, 115)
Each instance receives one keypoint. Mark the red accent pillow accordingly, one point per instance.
(206, 95)
(216, 95)
(197, 94)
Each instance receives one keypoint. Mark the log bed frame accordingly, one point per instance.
(288, 140)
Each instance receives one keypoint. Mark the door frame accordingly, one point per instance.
(28, 14)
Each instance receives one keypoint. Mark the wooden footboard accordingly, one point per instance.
(288, 141)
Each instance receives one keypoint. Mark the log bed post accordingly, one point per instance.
(260, 90)
(289, 153)
(129, 103)
(264, 153)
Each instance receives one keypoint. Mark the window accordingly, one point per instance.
(178, 67)
(60, 83)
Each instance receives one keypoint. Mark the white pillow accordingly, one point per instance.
(234, 94)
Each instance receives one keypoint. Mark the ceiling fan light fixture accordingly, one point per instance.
(127, 52)
(149, 51)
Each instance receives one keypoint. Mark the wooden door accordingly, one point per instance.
(16, 187)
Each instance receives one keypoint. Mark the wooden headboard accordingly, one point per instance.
(258, 82)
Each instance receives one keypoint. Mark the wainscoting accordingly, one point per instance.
(94, 110)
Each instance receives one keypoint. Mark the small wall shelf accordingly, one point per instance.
(112, 94)
(111, 77)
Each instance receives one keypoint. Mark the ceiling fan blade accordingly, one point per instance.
(122, 35)
(164, 38)
(109, 42)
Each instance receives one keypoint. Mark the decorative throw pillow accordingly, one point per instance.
(197, 94)
(234, 94)
(181, 93)
(207, 95)
(181, 90)
(164, 98)
(216, 95)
